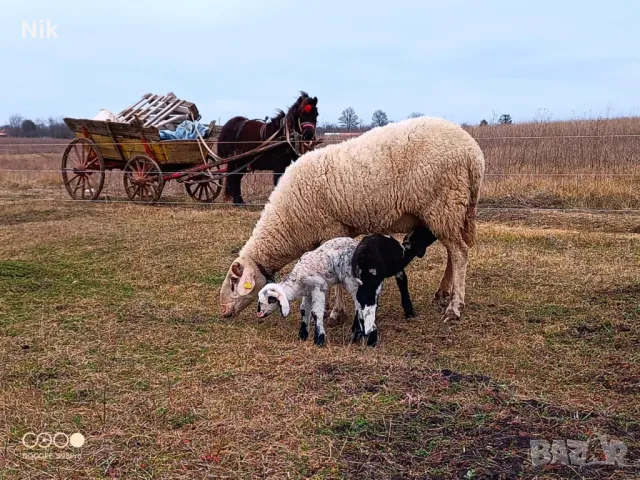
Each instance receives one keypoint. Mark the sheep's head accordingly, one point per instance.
(240, 287)
(272, 298)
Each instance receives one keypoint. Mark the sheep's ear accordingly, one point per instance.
(284, 305)
(236, 269)
(247, 281)
(358, 281)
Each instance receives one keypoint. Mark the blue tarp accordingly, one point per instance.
(185, 131)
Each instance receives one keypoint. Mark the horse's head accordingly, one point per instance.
(304, 116)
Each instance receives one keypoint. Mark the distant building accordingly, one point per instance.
(343, 134)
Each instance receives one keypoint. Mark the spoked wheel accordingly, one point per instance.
(82, 169)
(143, 179)
(204, 187)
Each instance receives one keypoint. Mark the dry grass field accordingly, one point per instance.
(109, 326)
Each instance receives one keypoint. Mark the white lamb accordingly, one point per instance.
(419, 172)
(311, 279)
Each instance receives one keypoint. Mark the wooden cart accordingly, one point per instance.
(147, 161)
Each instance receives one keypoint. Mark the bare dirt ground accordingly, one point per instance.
(109, 326)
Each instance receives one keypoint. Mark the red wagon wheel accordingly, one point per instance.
(143, 179)
(82, 169)
(205, 187)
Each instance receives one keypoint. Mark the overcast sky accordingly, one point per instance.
(463, 60)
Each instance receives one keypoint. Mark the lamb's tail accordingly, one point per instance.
(476, 174)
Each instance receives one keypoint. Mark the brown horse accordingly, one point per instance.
(240, 135)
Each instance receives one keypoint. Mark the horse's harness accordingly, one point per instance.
(284, 125)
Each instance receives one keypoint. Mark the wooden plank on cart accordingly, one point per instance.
(160, 110)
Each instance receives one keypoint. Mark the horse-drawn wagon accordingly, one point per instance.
(148, 161)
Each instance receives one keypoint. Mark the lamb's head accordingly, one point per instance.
(272, 298)
(241, 286)
(417, 241)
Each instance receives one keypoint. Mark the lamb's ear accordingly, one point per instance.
(247, 281)
(284, 305)
(358, 281)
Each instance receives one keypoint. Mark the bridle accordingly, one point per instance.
(306, 126)
(302, 145)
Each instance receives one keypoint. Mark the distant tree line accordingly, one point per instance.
(349, 121)
(19, 126)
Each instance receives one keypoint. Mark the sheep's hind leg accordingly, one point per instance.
(318, 300)
(442, 298)
(338, 305)
(405, 298)
(305, 313)
(458, 253)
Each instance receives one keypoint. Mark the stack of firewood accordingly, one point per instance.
(159, 111)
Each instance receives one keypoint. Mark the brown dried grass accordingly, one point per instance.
(109, 326)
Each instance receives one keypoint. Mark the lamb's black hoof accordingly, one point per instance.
(239, 202)
(372, 339)
(318, 339)
(410, 314)
(303, 333)
(357, 337)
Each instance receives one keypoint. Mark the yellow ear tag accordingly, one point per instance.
(247, 285)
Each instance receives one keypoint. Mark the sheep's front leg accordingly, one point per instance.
(318, 300)
(405, 298)
(305, 313)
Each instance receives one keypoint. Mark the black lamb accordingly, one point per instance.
(378, 257)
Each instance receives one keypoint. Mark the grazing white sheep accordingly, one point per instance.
(422, 171)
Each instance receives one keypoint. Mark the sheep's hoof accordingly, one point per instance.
(451, 315)
(318, 339)
(441, 300)
(410, 314)
(303, 333)
(372, 339)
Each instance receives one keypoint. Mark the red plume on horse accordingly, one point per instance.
(292, 130)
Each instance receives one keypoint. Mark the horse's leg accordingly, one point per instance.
(237, 188)
(232, 184)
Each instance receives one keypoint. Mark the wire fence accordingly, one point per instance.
(252, 206)
(325, 140)
(600, 170)
(270, 173)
